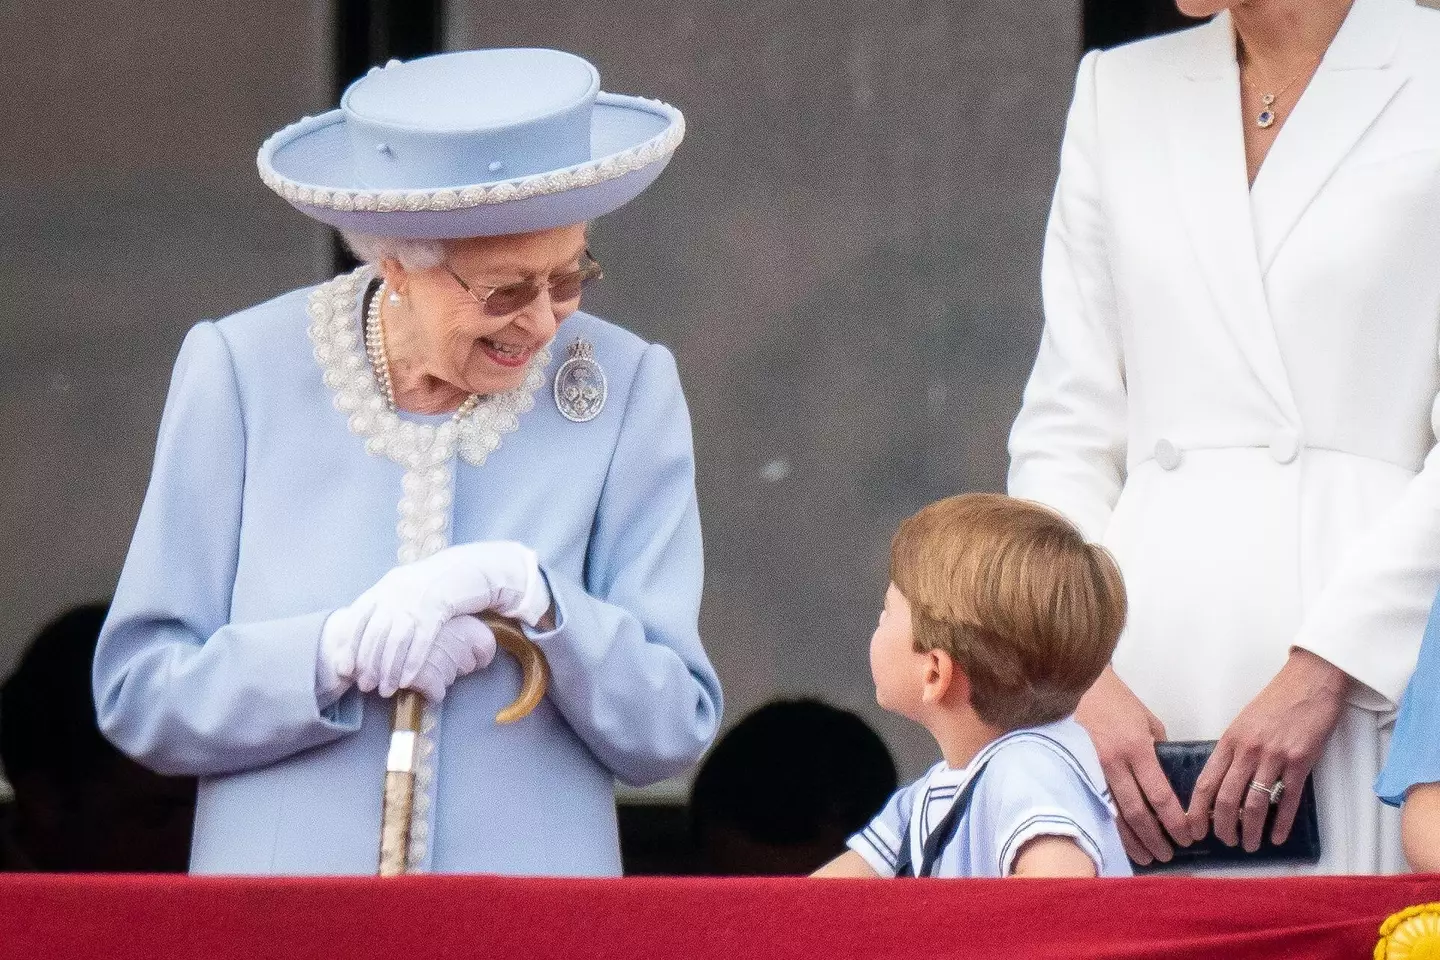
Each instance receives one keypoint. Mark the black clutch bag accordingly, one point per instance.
(1182, 762)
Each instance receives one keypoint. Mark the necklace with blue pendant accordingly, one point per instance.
(1267, 116)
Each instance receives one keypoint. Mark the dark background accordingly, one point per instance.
(844, 256)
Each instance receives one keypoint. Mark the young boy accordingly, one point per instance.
(999, 616)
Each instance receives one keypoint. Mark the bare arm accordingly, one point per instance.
(1053, 857)
(849, 865)
(1420, 828)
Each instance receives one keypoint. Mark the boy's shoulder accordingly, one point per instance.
(1044, 781)
(1040, 774)
(1050, 755)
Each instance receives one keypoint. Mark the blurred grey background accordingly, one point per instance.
(844, 256)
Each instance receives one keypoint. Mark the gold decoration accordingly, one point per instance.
(1411, 934)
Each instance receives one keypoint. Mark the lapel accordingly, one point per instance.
(1208, 150)
(1355, 82)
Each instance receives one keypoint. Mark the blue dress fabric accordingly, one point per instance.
(265, 514)
(1415, 745)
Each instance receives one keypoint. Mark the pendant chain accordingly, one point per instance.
(1267, 116)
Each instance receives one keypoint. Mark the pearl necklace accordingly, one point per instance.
(337, 312)
(380, 363)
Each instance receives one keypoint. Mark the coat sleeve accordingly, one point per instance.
(1067, 447)
(1415, 747)
(177, 685)
(627, 669)
(1371, 614)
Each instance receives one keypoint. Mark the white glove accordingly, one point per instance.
(335, 665)
(462, 646)
(388, 632)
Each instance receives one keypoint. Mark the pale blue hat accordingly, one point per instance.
(472, 144)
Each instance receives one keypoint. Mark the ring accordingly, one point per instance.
(1273, 792)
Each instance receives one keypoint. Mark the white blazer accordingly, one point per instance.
(1236, 387)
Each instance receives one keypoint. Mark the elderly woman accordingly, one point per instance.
(347, 474)
(1234, 392)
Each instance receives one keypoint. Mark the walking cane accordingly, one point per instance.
(399, 803)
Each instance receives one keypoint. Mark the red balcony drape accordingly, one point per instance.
(416, 918)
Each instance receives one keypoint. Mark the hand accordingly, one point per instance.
(463, 646)
(335, 662)
(393, 625)
(1278, 736)
(1125, 732)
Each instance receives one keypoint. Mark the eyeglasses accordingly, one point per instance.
(506, 299)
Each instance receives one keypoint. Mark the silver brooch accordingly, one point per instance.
(580, 387)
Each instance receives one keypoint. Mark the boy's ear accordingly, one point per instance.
(943, 679)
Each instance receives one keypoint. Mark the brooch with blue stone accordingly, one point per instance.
(580, 387)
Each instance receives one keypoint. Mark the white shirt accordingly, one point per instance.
(1034, 782)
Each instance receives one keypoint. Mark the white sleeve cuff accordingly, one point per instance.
(1047, 823)
(878, 846)
(536, 600)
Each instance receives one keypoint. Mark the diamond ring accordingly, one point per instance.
(1273, 792)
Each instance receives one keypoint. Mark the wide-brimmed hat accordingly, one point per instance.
(472, 144)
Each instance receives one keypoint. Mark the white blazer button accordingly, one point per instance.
(1167, 455)
(1285, 447)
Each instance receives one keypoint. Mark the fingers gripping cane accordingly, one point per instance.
(398, 810)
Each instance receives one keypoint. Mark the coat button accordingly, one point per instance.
(1167, 455)
(1285, 447)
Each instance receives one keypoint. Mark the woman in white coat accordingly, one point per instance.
(1234, 392)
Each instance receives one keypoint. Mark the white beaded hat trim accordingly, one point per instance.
(444, 199)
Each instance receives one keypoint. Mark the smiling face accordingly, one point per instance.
(439, 338)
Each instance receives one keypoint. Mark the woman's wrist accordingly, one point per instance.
(1321, 674)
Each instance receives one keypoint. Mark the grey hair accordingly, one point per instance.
(411, 254)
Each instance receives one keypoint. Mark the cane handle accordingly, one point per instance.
(397, 812)
(534, 670)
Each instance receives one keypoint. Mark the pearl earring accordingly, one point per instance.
(394, 297)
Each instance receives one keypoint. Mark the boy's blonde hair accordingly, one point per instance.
(1013, 593)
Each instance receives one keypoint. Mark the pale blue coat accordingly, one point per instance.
(265, 514)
